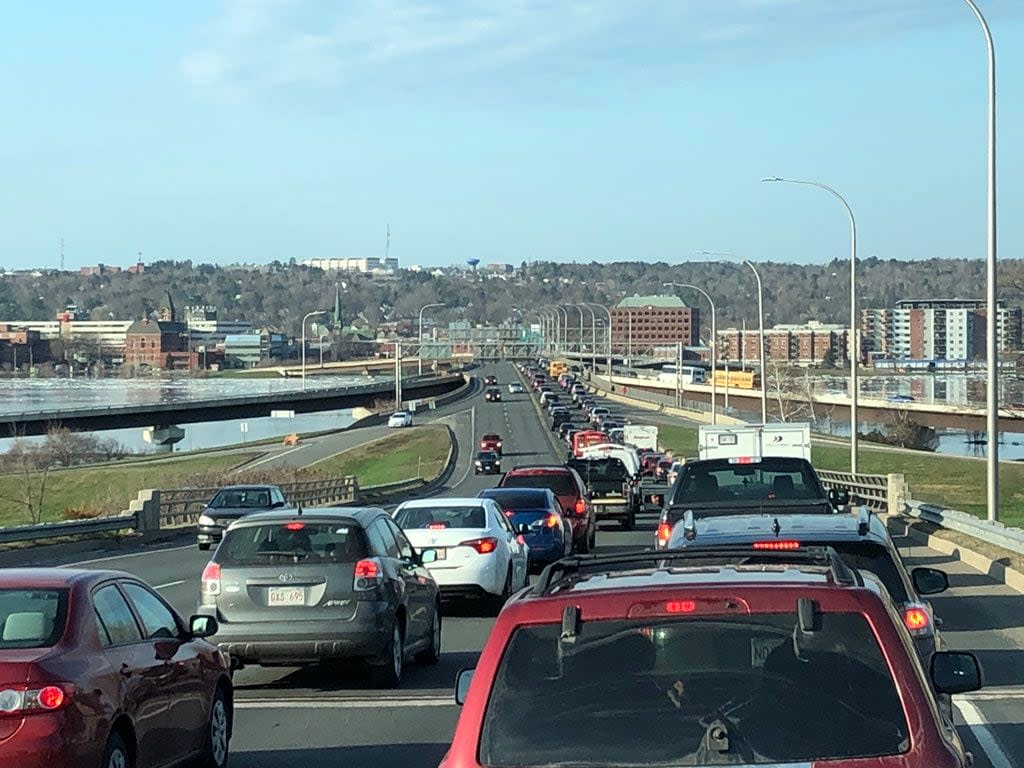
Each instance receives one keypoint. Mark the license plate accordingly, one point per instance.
(442, 553)
(279, 596)
(761, 647)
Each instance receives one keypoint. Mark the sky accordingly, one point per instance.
(506, 130)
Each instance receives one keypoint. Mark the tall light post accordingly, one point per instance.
(593, 335)
(760, 326)
(419, 331)
(564, 338)
(853, 348)
(314, 313)
(579, 309)
(991, 299)
(714, 345)
(607, 313)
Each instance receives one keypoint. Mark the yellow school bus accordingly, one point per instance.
(736, 379)
(557, 367)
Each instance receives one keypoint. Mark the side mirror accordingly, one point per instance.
(277, 505)
(462, 681)
(929, 581)
(522, 529)
(955, 672)
(202, 626)
(839, 497)
(428, 556)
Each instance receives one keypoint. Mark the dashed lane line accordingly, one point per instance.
(169, 584)
(979, 726)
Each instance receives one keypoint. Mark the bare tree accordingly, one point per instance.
(30, 464)
(783, 387)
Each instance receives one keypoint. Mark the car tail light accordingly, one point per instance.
(916, 619)
(44, 699)
(437, 526)
(581, 506)
(211, 579)
(776, 546)
(483, 546)
(664, 533)
(294, 526)
(367, 574)
(680, 606)
(552, 521)
(509, 512)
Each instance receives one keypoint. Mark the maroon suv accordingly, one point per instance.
(698, 659)
(568, 486)
(96, 669)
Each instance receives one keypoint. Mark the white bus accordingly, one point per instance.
(691, 374)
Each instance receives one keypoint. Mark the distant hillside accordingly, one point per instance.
(277, 295)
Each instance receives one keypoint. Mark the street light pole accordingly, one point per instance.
(714, 346)
(593, 336)
(991, 297)
(398, 375)
(314, 313)
(853, 348)
(608, 313)
(760, 325)
(419, 330)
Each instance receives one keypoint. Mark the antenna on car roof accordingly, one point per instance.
(776, 528)
(298, 510)
(863, 521)
(689, 525)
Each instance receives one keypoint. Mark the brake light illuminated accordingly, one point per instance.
(367, 569)
(211, 579)
(294, 526)
(482, 546)
(436, 526)
(45, 699)
(552, 521)
(50, 697)
(509, 513)
(681, 606)
(664, 533)
(776, 546)
(745, 460)
(916, 619)
(581, 506)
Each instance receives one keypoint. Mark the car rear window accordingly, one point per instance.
(241, 498)
(876, 559)
(312, 542)
(560, 484)
(518, 499)
(32, 618)
(441, 517)
(600, 469)
(771, 480)
(744, 689)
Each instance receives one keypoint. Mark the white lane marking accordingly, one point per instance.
(272, 457)
(169, 584)
(986, 739)
(995, 693)
(126, 556)
(338, 703)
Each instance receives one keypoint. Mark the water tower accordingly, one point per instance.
(473, 263)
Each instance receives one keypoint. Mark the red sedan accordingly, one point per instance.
(98, 671)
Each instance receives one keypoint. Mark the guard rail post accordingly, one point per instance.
(146, 508)
(896, 493)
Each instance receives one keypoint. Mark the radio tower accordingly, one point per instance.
(62, 254)
(387, 244)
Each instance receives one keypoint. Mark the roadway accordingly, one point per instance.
(314, 719)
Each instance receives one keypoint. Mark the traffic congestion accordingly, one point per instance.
(581, 597)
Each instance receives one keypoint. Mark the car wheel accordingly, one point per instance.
(204, 547)
(592, 541)
(389, 673)
(116, 754)
(218, 733)
(432, 654)
(498, 601)
(629, 522)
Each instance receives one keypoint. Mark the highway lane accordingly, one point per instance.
(310, 717)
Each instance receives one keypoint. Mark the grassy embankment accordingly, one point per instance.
(957, 483)
(408, 453)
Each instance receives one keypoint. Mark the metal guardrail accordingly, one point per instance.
(990, 532)
(881, 492)
(19, 533)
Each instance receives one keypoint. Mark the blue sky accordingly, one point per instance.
(506, 130)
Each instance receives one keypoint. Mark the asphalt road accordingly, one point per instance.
(306, 717)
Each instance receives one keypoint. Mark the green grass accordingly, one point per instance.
(110, 488)
(956, 483)
(416, 452)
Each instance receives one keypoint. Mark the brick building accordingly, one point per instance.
(810, 344)
(643, 324)
(159, 344)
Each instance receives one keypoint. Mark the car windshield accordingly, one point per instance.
(560, 483)
(772, 480)
(487, 456)
(313, 542)
(738, 689)
(525, 499)
(241, 498)
(31, 618)
(441, 516)
(600, 469)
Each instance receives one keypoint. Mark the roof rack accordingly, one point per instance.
(561, 570)
(863, 521)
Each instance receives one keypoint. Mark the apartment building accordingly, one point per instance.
(812, 343)
(366, 265)
(947, 330)
(641, 324)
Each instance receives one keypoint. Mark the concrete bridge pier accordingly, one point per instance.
(163, 437)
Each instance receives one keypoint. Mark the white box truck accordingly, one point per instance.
(643, 436)
(757, 440)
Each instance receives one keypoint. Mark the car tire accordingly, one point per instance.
(432, 654)
(388, 674)
(205, 547)
(498, 601)
(116, 754)
(629, 522)
(592, 540)
(218, 733)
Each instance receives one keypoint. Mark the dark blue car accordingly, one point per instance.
(547, 532)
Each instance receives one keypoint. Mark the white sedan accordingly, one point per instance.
(478, 553)
(400, 419)
(515, 388)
